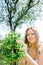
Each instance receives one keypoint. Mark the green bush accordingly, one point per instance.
(10, 49)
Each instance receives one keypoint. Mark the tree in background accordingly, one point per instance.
(17, 11)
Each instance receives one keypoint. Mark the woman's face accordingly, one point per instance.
(31, 37)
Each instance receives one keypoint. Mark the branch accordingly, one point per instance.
(15, 25)
(9, 12)
(34, 4)
(15, 2)
(7, 3)
(21, 16)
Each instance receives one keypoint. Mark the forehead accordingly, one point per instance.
(30, 31)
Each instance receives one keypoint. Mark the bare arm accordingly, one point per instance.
(30, 60)
(41, 55)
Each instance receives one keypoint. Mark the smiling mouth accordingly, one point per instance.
(30, 39)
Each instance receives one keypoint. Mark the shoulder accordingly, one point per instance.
(40, 46)
(41, 54)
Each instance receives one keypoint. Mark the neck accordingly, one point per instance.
(33, 45)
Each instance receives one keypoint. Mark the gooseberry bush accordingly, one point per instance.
(11, 50)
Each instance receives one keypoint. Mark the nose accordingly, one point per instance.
(30, 35)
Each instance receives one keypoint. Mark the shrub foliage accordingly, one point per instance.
(10, 49)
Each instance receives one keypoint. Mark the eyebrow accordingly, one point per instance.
(31, 33)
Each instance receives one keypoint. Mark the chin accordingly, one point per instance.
(32, 42)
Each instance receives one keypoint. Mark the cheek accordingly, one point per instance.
(34, 37)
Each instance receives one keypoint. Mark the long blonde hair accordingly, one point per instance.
(35, 45)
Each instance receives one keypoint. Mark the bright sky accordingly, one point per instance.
(3, 30)
(39, 27)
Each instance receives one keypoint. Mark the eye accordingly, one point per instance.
(33, 34)
(30, 34)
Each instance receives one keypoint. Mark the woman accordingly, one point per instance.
(33, 55)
